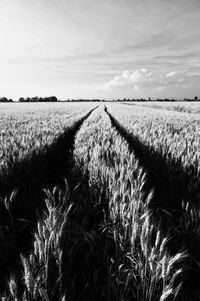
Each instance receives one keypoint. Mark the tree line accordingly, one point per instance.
(38, 99)
(31, 99)
(54, 99)
(5, 99)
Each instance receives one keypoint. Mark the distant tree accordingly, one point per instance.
(38, 99)
(5, 99)
(54, 98)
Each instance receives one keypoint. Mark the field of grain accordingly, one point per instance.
(99, 202)
(179, 106)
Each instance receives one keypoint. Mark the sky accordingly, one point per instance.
(100, 48)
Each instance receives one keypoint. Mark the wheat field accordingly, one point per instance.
(100, 202)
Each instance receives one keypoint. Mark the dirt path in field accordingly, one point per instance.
(29, 177)
(87, 246)
(174, 208)
(172, 184)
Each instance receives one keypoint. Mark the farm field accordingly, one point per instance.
(179, 106)
(26, 128)
(99, 202)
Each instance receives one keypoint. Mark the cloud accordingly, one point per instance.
(125, 74)
(145, 79)
(171, 74)
(128, 78)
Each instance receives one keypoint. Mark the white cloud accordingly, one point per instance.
(128, 78)
(135, 76)
(145, 79)
(171, 74)
(125, 74)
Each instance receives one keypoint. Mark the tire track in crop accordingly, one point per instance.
(172, 184)
(87, 242)
(30, 176)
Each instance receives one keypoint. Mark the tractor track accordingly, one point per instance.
(172, 185)
(29, 177)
